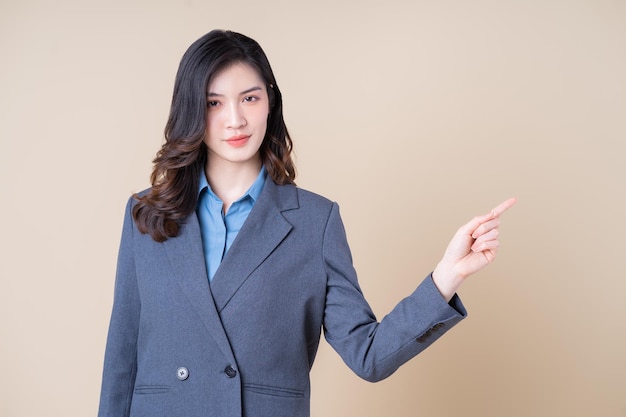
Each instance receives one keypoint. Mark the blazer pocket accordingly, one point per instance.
(151, 389)
(274, 391)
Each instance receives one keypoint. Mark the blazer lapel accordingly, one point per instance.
(264, 229)
(187, 260)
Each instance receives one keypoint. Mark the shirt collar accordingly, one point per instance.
(253, 192)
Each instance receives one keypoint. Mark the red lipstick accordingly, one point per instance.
(238, 140)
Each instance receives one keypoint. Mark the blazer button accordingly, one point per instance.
(230, 372)
(182, 373)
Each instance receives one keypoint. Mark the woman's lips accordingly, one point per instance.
(238, 141)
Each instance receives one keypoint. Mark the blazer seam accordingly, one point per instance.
(323, 251)
(133, 371)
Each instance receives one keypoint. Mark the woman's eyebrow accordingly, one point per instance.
(249, 90)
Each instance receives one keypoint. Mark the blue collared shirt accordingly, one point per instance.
(218, 230)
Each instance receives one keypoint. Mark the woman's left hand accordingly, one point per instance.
(473, 247)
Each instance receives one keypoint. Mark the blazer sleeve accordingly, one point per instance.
(120, 359)
(371, 349)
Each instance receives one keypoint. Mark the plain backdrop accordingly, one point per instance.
(413, 115)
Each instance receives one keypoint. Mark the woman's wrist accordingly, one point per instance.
(446, 281)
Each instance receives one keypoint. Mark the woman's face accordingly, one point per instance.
(237, 111)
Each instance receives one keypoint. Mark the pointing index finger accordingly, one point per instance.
(502, 207)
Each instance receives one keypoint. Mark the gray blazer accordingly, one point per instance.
(244, 345)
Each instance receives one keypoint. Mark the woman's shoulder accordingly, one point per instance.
(133, 199)
(302, 198)
(313, 197)
(142, 192)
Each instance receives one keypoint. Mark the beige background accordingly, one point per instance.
(414, 115)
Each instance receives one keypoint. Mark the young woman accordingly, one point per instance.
(227, 272)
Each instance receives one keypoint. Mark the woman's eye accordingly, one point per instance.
(250, 99)
(212, 103)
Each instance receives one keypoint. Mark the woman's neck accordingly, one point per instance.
(229, 181)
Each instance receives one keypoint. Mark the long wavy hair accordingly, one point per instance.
(180, 161)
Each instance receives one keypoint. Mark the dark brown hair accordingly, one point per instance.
(180, 161)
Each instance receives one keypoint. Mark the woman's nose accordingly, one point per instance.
(236, 117)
